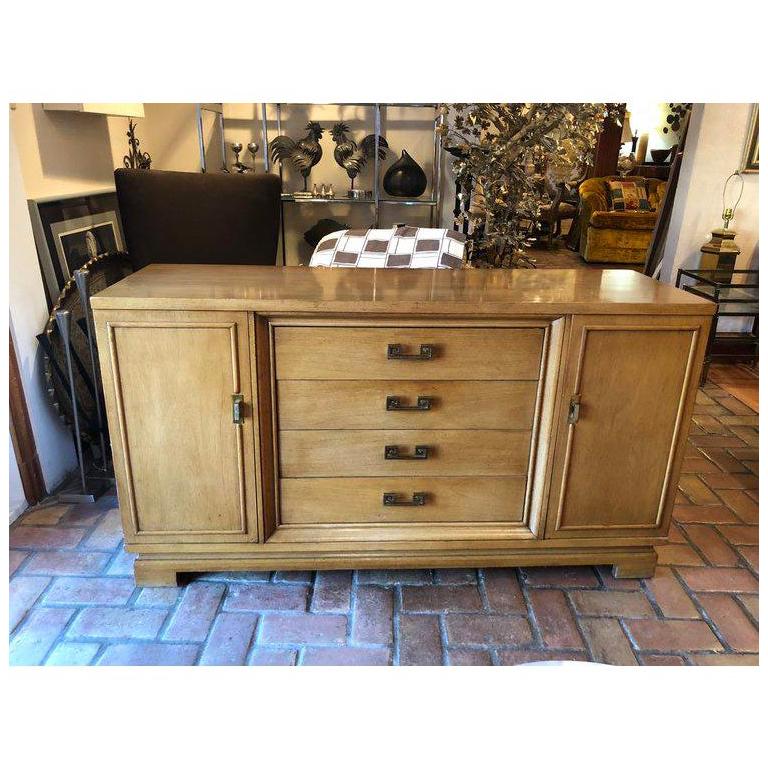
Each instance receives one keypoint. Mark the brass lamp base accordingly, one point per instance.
(721, 251)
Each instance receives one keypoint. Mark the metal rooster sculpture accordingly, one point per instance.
(347, 155)
(304, 154)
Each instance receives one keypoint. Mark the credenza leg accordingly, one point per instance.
(636, 566)
(149, 573)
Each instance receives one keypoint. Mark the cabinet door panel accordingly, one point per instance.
(185, 470)
(617, 464)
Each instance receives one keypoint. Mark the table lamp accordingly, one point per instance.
(721, 251)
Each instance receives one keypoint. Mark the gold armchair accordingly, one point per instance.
(615, 236)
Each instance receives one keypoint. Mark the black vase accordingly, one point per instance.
(405, 178)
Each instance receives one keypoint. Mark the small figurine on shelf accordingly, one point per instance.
(349, 158)
(238, 167)
(303, 154)
(405, 178)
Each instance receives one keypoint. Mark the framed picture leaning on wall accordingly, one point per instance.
(751, 161)
(70, 230)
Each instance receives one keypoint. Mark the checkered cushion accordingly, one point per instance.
(628, 196)
(415, 247)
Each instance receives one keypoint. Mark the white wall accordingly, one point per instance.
(16, 498)
(714, 149)
(55, 154)
(62, 153)
(28, 315)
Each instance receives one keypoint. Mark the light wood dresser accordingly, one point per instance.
(295, 418)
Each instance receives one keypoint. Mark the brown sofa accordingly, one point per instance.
(615, 236)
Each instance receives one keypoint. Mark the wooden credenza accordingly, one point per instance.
(295, 418)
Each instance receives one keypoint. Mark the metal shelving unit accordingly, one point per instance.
(736, 292)
(376, 201)
(218, 111)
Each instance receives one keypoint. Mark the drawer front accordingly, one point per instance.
(362, 353)
(360, 500)
(361, 453)
(364, 404)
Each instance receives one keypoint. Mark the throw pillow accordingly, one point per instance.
(401, 246)
(628, 196)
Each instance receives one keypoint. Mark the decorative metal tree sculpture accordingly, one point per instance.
(135, 158)
(503, 152)
(303, 154)
(347, 155)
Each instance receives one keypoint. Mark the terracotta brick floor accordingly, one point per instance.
(73, 600)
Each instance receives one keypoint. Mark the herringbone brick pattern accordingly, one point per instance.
(73, 600)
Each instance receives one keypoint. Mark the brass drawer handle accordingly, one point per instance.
(393, 452)
(423, 403)
(395, 352)
(574, 409)
(238, 409)
(418, 499)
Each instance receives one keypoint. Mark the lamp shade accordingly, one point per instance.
(626, 130)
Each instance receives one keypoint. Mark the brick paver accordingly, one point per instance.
(73, 600)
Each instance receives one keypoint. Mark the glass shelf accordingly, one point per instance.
(350, 104)
(729, 309)
(722, 278)
(729, 295)
(405, 201)
(289, 198)
(735, 293)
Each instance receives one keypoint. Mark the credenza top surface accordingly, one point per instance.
(407, 291)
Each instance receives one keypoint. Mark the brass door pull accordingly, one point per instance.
(238, 409)
(419, 452)
(418, 499)
(423, 403)
(574, 409)
(395, 352)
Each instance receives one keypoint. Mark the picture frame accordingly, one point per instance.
(751, 161)
(71, 229)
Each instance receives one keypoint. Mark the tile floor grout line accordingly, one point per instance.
(532, 621)
(211, 623)
(579, 628)
(61, 637)
(750, 618)
(633, 647)
(693, 597)
(397, 603)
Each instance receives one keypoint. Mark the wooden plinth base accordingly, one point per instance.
(163, 570)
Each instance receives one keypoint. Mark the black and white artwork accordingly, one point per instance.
(78, 240)
(69, 231)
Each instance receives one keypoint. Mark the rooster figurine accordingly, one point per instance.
(347, 155)
(304, 154)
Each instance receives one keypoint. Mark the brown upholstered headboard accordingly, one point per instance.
(199, 218)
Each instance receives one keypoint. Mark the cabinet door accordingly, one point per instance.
(628, 393)
(185, 468)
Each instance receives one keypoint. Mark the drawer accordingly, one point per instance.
(360, 500)
(360, 452)
(362, 353)
(306, 404)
